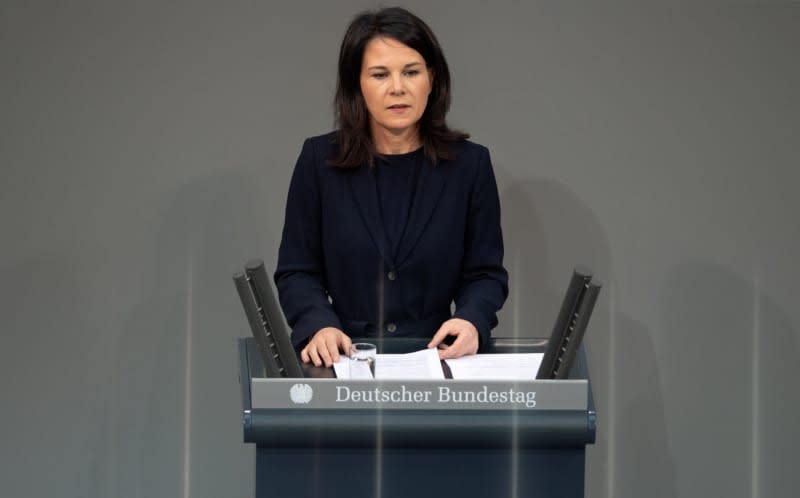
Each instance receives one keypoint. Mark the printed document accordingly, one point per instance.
(346, 369)
(512, 366)
(423, 364)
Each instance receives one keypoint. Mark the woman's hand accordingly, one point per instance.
(324, 347)
(466, 339)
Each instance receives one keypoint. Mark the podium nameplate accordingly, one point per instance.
(307, 393)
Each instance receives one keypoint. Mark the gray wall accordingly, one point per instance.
(145, 151)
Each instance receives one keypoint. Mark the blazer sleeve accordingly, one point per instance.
(484, 281)
(299, 276)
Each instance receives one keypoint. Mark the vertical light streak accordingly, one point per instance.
(112, 439)
(515, 296)
(755, 408)
(381, 296)
(379, 423)
(515, 455)
(187, 397)
(379, 455)
(612, 394)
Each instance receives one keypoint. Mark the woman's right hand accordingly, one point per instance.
(324, 347)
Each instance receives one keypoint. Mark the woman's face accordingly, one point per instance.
(395, 83)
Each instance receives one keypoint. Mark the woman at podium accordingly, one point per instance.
(392, 223)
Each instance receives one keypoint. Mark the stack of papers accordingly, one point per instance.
(512, 366)
(425, 364)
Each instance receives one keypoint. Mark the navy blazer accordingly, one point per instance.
(335, 267)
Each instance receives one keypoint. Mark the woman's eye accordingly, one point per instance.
(379, 76)
(412, 72)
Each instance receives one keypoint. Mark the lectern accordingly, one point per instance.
(445, 438)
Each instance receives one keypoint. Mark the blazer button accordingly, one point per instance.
(391, 276)
(391, 327)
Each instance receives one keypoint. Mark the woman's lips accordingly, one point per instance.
(399, 107)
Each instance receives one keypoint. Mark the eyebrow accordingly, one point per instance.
(384, 68)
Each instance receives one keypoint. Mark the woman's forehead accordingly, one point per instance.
(383, 50)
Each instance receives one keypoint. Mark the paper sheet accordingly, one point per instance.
(423, 364)
(346, 369)
(512, 366)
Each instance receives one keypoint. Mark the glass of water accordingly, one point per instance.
(362, 360)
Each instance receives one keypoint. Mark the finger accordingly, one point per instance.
(459, 348)
(304, 355)
(346, 343)
(333, 349)
(439, 336)
(449, 353)
(325, 354)
(312, 352)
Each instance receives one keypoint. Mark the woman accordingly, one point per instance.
(393, 217)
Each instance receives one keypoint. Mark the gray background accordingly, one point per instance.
(145, 152)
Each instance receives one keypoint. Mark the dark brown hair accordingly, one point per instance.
(354, 139)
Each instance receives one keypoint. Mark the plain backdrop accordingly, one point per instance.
(145, 153)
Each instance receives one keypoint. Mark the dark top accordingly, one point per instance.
(338, 268)
(396, 180)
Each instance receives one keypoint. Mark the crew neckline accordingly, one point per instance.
(401, 155)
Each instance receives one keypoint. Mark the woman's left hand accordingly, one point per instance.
(466, 339)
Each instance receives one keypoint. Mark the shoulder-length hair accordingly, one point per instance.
(354, 138)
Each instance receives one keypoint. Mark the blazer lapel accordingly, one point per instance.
(429, 189)
(365, 192)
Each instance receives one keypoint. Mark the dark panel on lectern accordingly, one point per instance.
(571, 323)
(266, 320)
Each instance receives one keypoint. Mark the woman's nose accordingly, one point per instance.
(397, 87)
